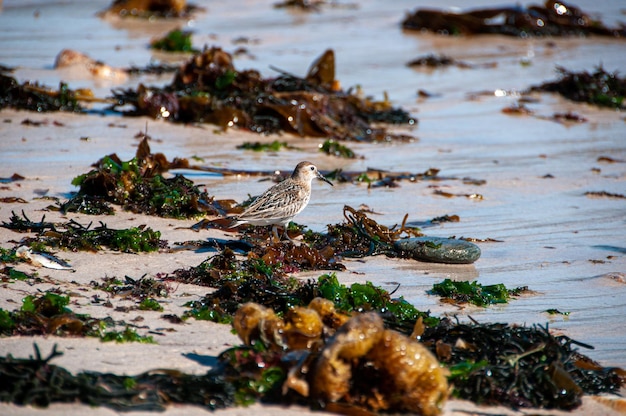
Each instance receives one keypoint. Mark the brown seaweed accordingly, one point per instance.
(48, 314)
(209, 89)
(602, 88)
(13, 200)
(35, 381)
(439, 61)
(553, 18)
(516, 365)
(138, 186)
(488, 364)
(32, 97)
(74, 236)
(313, 5)
(150, 9)
(604, 194)
(362, 364)
(142, 288)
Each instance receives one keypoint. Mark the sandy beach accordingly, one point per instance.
(567, 247)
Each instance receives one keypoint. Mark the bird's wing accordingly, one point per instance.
(276, 202)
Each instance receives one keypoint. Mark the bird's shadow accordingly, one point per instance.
(204, 360)
(215, 245)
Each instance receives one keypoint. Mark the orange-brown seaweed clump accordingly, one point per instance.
(361, 364)
(151, 8)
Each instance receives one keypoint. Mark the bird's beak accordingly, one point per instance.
(322, 178)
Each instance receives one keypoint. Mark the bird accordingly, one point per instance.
(279, 204)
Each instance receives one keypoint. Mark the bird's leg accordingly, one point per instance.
(285, 234)
(275, 233)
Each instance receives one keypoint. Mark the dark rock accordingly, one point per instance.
(438, 250)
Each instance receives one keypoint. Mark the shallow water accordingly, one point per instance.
(555, 240)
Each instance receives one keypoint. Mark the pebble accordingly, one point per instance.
(439, 250)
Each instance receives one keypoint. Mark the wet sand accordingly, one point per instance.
(566, 247)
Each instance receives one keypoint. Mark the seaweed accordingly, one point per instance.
(553, 18)
(396, 313)
(517, 366)
(35, 381)
(239, 282)
(150, 304)
(488, 363)
(141, 289)
(152, 68)
(75, 236)
(138, 185)
(360, 236)
(274, 146)
(266, 283)
(491, 364)
(9, 273)
(439, 61)
(151, 9)
(176, 40)
(24, 225)
(333, 148)
(127, 335)
(475, 293)
(32, 97)
(554, 311)
(48, 314)
(604, 194)
(13, 200)
(209, 89)
(602, 88)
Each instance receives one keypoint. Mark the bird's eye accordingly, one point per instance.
(312, 168)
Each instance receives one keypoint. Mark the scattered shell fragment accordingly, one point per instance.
(74, 60)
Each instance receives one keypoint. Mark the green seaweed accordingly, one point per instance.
(150, 304)
(367, 297)
(464, 369)
(333, 148)
(50, 304)
(138, 185)
(174, 41)
(127, 335)
(256, 281)
(6, 321)
(48, 314)
(259, 371)
(8, 256)
(13, 274)
(474, 292)
(553, 311)
(74, 236)
(274, 146)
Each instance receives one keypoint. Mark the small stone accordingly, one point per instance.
(438, 250)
